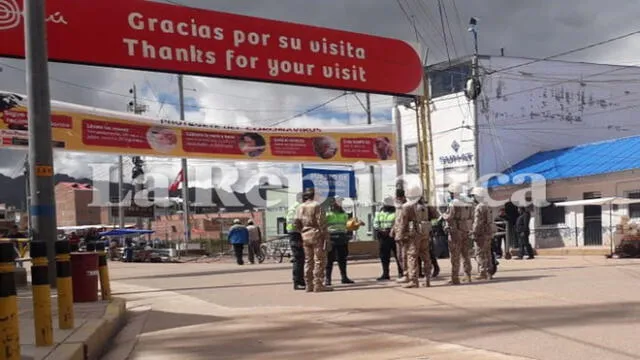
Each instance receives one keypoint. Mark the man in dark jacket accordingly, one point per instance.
(522, 228)
(238, 237)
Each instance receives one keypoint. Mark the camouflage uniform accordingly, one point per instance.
(482, 234)
(311, 222)
(415, 225)
(459, 217)
(402, 243)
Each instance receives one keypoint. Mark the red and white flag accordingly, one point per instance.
(175, 185)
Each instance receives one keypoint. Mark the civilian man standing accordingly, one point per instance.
(522, 228)
(238, 237)
(255, 240)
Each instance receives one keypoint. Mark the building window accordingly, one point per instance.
(552, 215)
(450, 81)
(634, 209)
(281, 226)
(411, 159)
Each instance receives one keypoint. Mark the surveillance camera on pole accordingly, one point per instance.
(474, 87)
(472, 92)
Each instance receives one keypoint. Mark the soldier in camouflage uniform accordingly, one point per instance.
(459, 217)
(402, 245)
(415, 225)
(482, 232)
(311, 222)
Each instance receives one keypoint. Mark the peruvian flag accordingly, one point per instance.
(176, 183)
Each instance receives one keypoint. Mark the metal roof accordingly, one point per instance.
(591, 159)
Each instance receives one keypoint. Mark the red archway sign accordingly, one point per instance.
(145, 35)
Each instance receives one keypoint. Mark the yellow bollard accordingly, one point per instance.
(64, 285)
(41, 294)
(9, 323)
(103, 270)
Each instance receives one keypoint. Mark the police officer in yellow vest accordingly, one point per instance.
(337, 220)
(382, 224)
(297, 248)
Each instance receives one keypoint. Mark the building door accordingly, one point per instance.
(592, 221)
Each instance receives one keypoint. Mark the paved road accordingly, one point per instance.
(553, 308)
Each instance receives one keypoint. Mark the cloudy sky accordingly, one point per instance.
(537, 28)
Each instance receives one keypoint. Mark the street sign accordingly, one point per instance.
(147, 35)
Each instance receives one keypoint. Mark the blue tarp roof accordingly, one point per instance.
(126, 232)
(577, 161)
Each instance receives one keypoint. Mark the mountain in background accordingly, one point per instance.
(12, 192)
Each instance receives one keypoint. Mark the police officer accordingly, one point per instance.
(382, 225)
(337, 220)
(311, 223)
(482, 233)
(459, 217)
(295, 241)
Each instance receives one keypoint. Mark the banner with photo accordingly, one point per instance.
(85, 129)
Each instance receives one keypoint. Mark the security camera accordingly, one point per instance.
(472, 24)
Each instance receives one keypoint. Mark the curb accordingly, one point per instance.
(572, 252)
(90, 340)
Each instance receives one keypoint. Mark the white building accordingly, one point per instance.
(527, 107)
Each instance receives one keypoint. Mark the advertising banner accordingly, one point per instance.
(154, 36)
(330, 183)
(85, 129)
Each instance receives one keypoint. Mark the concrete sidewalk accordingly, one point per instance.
(170, 325)
(95, 324)
(550, 308)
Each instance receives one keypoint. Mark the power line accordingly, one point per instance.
(453, 43)
(311, 109)
(281, 110)
(444, 33)
(461, 24)
(412, 23)
(569, 51)
(609, 71)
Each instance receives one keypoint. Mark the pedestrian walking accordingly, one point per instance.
(295, 242)
(311, 222)
(523, 230)
(337, 220)
(382, 225)
(459, 217)
(255, 240)
(482, 232)
(238, 237)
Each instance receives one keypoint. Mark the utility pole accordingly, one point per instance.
(27, 193)
(120, 192)
(137, 109)
(43, 202)
(399, 159)
(185, 174)
(473, 90)
(423, 119)
(371, 168)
